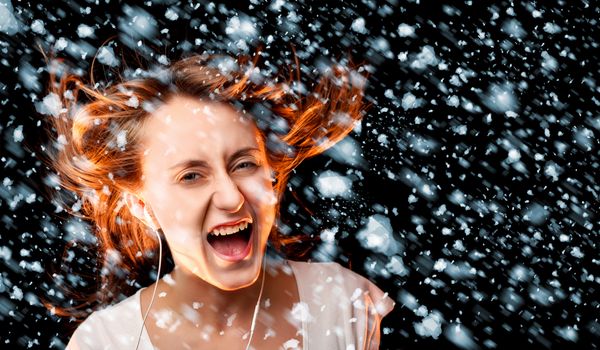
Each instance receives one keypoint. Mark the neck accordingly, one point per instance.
(219, 307)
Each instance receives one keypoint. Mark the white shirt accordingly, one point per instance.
(338, 308)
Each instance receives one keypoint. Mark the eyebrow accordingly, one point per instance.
(203, 164)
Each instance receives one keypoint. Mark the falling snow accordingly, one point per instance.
(469, 191)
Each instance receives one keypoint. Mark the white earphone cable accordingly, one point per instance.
(155, 286)
(257, 306)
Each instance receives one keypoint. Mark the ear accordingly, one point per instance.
(141, 210)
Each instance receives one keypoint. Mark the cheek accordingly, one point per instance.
(262, 199)
(177, 213)
(260, 194)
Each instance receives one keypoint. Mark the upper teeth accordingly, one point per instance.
(229, 230)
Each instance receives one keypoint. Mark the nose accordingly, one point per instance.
(227, 195)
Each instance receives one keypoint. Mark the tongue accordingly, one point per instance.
(230, 245)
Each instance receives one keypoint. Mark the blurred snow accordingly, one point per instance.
(405, 30)
(378, 236)
(469, 191)
(500, 98)
(106, 56)
(430, 326)
(8, 22)
(85, 31)
(359, 25)
(460, 336)
(331, 184)
(425, 58)
(301, 312)
(50, 105)
(348, 151)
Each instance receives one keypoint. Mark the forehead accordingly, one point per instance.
(185, 126)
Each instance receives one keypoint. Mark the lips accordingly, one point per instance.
(233, 246)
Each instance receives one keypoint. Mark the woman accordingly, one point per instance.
(201, 153)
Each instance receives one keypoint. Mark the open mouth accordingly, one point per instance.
(233, 246)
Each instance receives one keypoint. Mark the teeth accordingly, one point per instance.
(229, 230)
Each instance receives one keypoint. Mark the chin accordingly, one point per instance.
(239, 280)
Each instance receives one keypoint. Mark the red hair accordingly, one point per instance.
(91, 163)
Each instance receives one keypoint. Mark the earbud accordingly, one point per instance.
(151, 219)
(136, 206)
(147, 213)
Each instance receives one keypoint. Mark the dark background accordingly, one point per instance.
(475, 169)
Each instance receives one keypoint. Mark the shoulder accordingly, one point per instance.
(330, 278)
(339, 306)
(116, 325)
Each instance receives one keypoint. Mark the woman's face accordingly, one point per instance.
(208, 186)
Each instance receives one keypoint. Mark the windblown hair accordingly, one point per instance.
(91, 160)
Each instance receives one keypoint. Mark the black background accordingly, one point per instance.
(511, 261)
